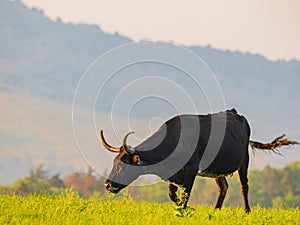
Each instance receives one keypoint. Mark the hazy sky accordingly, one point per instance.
(267, 27)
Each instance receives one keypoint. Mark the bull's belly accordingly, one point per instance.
(212, 175)
(220, 168)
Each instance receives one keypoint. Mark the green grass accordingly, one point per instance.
(69, 208)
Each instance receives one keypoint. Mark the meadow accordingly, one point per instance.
(69, 208)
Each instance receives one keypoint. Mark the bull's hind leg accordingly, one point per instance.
(243, 174)
(223, 186)
(173, 193)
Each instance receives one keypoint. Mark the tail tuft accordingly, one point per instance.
(276, 143)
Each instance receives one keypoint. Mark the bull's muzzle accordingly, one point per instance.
(109, 187)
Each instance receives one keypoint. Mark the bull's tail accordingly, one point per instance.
(274, 145)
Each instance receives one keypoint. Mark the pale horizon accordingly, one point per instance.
(269, 28)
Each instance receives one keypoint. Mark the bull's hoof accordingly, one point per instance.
(247, 210)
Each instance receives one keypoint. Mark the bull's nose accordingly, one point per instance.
(107, 186)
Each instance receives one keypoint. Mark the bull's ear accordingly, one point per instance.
(136, 159)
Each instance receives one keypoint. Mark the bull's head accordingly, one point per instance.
(121, 174)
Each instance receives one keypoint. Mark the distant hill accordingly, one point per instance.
(41, 62)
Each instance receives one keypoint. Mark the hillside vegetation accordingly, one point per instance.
(270, 187)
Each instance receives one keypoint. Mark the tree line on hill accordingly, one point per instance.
(269, 187)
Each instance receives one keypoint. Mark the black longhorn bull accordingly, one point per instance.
(232, 154)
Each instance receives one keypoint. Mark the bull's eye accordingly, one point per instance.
(129, 159)
(136, 159)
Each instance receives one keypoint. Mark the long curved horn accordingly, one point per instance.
(107, 146)
(127, 148)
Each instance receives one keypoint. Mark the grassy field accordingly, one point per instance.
(68, 208)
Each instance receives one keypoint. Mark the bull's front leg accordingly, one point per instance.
(182, 198)
(185, 193)
(173, 193)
